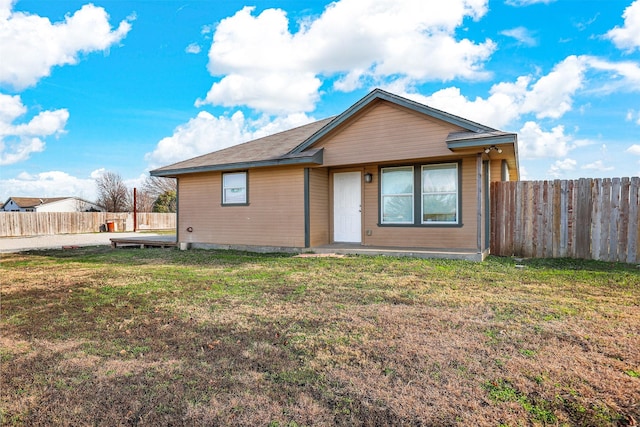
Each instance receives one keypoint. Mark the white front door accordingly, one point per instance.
(346, 207)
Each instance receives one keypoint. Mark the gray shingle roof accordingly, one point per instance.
(295, 146)
(269, 149)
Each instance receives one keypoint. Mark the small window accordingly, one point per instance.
(397, 195)
(234, 188)
(440, 193)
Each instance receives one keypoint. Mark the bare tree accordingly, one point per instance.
(144, 200)
(113, 193)
(160, 192)
(156, 186)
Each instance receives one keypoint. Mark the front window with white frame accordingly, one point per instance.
(234, 188)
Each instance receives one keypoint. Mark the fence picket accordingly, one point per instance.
(571, 238)
(633, 237)
(596, 217)
(614, 219)
(623, 226)
(564, 220)
(606, 214)
(528, 221)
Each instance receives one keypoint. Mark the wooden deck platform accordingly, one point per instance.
(145, 242)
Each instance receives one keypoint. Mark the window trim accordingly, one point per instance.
(456, 192)
(412, 195)
(246, 187)
(417, 192)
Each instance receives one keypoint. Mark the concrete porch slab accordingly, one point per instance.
(357, 249)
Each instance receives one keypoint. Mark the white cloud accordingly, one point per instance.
(30, 45)
(634, 149)
(259, 57)
(620, 76)
(552, 95)
(19, 141)
(633, 116)
(627, 37)
(207, 29)
(97, 173)
(265, 125)
(498, 110)
(535, 143)
(522, 35)
(275, 93)
(58, 184)
(584, 24)
(48, 184)
(193, 48)
(206, 133)
(560, 167)
(520, 3)
(598, 166)
(202, 134)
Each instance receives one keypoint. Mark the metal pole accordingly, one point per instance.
(135, 209)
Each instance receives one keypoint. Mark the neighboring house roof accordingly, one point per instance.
(33, 202)
(295, 146)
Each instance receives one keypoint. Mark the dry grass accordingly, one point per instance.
(163, 337)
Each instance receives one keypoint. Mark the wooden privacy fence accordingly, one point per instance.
(586, 218)
(16, 224)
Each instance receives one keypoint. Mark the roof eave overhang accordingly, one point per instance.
(484, 142)
(314, 159)
(481, 142)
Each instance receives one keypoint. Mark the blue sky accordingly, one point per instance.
(127, 86)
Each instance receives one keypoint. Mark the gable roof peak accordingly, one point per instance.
(380, 94)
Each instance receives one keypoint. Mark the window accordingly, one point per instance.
(440, 193)
(420, 195)
(397, 195)
(234, 188)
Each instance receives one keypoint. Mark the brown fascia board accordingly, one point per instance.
(310, 157)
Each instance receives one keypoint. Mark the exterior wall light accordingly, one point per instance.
(368, 177)
(493, 147)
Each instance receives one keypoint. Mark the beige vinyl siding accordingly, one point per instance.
(319, 206)
(274, 216)
(384, 133)
(437, 237)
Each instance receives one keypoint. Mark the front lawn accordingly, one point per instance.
(152, 337)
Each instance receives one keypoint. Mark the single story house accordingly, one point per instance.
(388, 175)
(49, 204)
